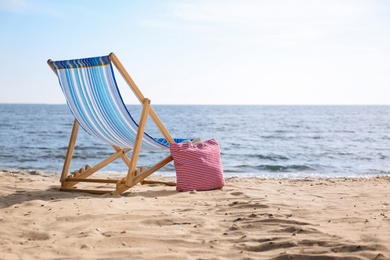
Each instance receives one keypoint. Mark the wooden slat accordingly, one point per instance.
(138, 142)
(92, 180)
(168, 183)
(69, 152)
(86, 190)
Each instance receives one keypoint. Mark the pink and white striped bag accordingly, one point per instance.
(198, 165)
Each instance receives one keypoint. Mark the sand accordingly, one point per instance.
(249, 218)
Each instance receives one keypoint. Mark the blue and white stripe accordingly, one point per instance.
(94, 99)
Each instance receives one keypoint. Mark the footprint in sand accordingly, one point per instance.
(37, 236)
(237, 193)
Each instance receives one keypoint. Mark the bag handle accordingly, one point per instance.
(195, 142)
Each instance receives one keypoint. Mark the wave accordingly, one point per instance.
(271, 157)
(276, 168)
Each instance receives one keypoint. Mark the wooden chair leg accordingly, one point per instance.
(69, 152)
(137, 144)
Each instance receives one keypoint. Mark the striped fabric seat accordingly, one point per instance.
(94, 99)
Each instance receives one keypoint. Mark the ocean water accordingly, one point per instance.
(263, 141)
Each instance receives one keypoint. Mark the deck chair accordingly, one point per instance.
(93, 97)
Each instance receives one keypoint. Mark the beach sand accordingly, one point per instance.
(249, 218)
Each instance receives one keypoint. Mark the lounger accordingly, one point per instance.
(93, 97)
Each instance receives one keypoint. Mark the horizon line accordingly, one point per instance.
(194, 104)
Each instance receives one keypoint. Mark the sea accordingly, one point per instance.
(281, 141)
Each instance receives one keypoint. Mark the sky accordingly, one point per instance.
(266, 52)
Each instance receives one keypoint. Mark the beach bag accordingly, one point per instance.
(198, 165)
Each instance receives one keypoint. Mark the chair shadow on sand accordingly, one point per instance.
(53, 194)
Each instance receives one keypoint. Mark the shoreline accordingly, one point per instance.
(271, 176)
(250, 218)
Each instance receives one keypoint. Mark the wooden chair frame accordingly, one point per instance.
(134, 176)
